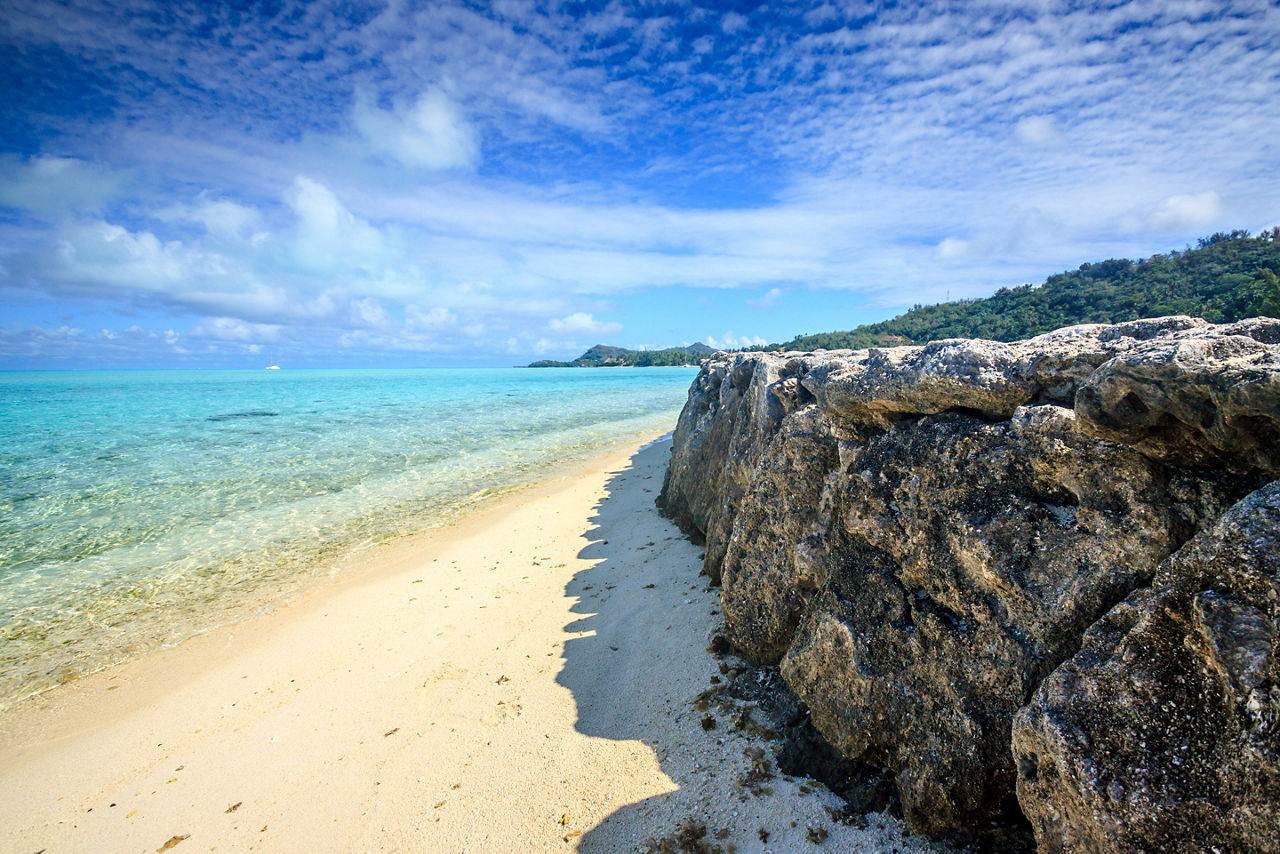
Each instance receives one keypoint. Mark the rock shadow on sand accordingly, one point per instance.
(634, 659)
(636, 662)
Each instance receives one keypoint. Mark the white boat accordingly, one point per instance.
(273, 367)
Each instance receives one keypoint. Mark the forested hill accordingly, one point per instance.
(1228, 276)
(604, 356)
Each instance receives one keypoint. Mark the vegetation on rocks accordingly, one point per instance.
(1227, 277)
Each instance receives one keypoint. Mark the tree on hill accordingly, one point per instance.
(1268, 301)
(1228, 276)
(606, 356)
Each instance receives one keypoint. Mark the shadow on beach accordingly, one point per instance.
(635, 658)
(636, 662)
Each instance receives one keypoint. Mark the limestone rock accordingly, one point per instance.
(735, 406)
(921, 535)
(970, 559)
(882, 386)
(1202, 401)
(777, 556)
(1163, 732)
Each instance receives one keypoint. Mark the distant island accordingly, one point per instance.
(1227, 277)
(604, 356)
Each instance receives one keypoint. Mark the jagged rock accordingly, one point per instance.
(1163, 732)
(989, 378)
(777, 556)
(735, 405)
(922, 534)
(882, 386)
(1205, 401)
(971, 557)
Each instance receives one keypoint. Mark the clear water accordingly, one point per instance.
(139, 507)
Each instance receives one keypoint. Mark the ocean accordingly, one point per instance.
(138, 508)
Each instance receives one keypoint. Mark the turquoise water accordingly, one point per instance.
(139, 507)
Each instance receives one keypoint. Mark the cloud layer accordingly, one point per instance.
(433, 181)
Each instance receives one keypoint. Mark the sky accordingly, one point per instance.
(332, 184)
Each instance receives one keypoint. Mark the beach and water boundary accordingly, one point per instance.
(527, 677)
(141, 508)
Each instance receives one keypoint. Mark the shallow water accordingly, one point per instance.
(137, 508)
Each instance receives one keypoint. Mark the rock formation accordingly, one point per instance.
(1163, 732)
(957, 553)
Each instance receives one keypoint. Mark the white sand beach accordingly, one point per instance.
(523, 680)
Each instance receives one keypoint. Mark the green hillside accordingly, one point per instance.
(1228, 276)
(604, 356)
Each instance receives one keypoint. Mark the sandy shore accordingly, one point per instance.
(521, 681)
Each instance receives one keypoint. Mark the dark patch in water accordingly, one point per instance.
(252, 413)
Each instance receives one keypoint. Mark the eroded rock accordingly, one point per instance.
(1210, 401)
(735, 406)
(1163, 732)
(971, 558)
(921, 535)
(778, 554)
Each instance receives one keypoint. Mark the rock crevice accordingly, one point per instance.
(947, 548)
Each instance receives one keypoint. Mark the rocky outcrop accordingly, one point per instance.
(1163, 732)
(924, 537)
(1206, 400)
(735, 407)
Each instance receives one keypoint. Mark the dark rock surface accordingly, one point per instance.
(1163, 732)
(735, 406)
(974, 556)
(922, 535)
(1205, 401)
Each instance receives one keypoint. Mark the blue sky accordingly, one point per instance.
(457, 183)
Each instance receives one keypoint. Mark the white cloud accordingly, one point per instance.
(1186, 212)
(730, 341)
(1036, 130)
(547, 102)
(221, 218)
(431, 133)
(232, 329)
(768, 298)
(56, 186)
(107, 254)
(952, 247)
(370, 313)
(430, 318)
(105, 260)
(581, 323)
(73, 347)
(328, 236)
(822, 14)
(17, 340)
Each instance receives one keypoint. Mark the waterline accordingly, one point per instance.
(138, 508)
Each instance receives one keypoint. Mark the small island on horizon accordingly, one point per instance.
(605, 356)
